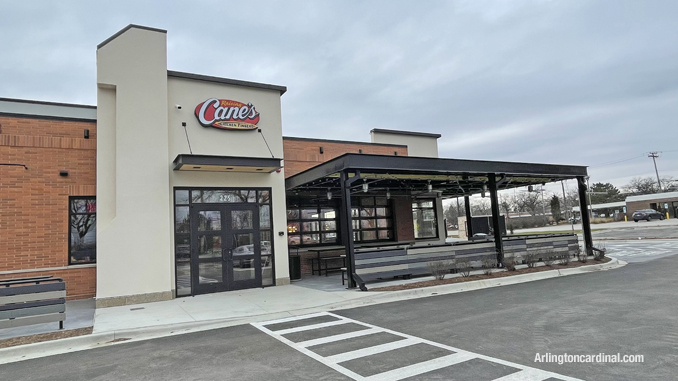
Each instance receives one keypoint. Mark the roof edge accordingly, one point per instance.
(125, 29)
(344, 141)
(47, 103)
(411, 133)
(227, 81)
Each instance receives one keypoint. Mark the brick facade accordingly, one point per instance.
(34, 202)
(658, 204)
(302, 154)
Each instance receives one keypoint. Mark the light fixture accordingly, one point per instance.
(329, 194)
(429, 187)
(482, 194)
(365, 187)
(388, 194)
(530, 188)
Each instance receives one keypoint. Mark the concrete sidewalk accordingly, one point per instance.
(192, 314)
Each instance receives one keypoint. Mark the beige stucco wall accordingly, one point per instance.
(133, 221)
(422, 146)
(211, 141)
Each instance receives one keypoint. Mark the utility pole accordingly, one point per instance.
(654, 156)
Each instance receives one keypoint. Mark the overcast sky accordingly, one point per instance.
(569, 82)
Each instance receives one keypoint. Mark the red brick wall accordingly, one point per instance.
(34, 202)
(302, 154)
(402, 215)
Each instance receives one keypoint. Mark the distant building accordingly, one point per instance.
(663, 202)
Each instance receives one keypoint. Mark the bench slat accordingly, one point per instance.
(24, 312)
(16, 306)
(33, 297)
(18, 322)
(380, 254)
(32, 289)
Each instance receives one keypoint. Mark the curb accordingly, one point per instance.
(103, 339)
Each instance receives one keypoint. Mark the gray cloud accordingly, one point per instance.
(580, 82)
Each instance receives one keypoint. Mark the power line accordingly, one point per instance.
(618, 161)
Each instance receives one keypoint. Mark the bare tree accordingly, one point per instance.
(81, 223)
(529, 202)
(642, 185)
(481, 207)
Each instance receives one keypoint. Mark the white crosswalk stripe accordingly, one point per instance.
(406, 341)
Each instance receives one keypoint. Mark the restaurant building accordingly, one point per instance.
(177, 184)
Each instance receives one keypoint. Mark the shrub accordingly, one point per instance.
(464, 266)
(439, 268)
(599, 252)
(489, 262)
(548, 257)
(509, 263)
(531, 258)
(565, 259)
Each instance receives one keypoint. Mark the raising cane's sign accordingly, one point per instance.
(227, 115)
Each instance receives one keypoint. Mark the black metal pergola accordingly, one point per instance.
(420, 176)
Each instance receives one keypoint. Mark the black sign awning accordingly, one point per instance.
(212, 163)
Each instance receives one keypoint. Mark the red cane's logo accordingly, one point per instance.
(227, 115)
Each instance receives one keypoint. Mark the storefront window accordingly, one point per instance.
(82, 230)
(424, 219)
(372, 219)
(311, 225)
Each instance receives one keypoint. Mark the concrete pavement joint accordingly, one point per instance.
(100, 339)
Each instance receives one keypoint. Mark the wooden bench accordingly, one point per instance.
(399, 262)
(36, 300)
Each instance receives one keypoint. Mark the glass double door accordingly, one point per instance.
(225, 249)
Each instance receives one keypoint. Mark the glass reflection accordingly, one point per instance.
(243, 269)
(266, 271)
(210, 272)
(264, 216)
(182, 220)
(209, 246)
(241, 219)
(209, 220)
(244, 244)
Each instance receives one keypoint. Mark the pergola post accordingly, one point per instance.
(347, 226)
(496, 227)
(585, 221)
(469, 225)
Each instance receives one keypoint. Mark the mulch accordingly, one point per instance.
(14, 341)
(497, 274)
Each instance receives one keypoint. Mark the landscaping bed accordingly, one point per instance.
(14, 341)
(498, 273)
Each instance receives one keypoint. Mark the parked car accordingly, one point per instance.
(646, 214)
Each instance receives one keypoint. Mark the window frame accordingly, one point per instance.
(70, 228)
(318, 205)
(358, 231)
(435, 216)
